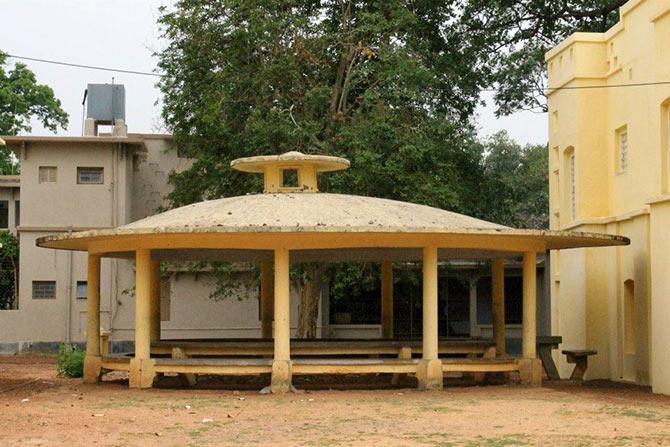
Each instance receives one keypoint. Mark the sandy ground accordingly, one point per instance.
(38, 408)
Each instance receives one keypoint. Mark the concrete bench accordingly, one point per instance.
(320, 347)
(244, 366)
(580, 357)
(545, 344)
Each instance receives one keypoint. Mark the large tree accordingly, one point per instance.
(516, 189)
(23, 98)
(389, 85)
(514, 36)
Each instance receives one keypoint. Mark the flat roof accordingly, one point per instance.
(55, 139)
(10, 181)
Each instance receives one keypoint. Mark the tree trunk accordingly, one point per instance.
(309, 288)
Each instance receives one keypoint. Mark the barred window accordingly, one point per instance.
(622, 142)
(44, 290)
(90, 176)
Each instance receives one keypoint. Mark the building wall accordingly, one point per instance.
(135, 186)
(54, 207)
(614, 299)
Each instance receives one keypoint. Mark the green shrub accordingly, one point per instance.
(70, 361)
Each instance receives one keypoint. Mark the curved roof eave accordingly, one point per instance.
(549, 240)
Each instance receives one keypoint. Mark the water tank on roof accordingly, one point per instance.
(106, 103)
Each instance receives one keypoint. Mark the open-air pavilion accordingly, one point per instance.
(292, 222)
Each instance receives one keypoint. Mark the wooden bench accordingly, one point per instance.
(581, 360)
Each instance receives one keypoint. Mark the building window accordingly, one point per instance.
(82, 290)
(622, 148)
(44, 290)
(90, 176)
(573, 192)
(17, 213)
(665, 146)
(630, 322)
(4, 214)
(569, 199)
(554, 121)
(47, 174)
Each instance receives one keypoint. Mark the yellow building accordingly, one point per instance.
(609, 142)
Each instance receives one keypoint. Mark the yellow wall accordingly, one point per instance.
(591, 307)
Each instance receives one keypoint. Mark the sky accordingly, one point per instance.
(124, 34)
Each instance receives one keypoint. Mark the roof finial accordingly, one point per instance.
(291, 171)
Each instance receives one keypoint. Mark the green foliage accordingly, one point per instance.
(516, 187)
(9, 164)
(70, 361)
(384, 84)
(392, 86)
(22, 98)
(512, 36)
(9, 270)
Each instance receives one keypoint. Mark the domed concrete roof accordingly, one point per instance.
(315, 225)
(308, 212)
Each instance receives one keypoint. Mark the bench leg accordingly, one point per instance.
(548, 363)
(405, 354)
(189, 379)
(581, 364)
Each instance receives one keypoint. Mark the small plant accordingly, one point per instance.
(70, 361)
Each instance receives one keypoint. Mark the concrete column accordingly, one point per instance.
(141, 366)
(93, 361)
(498, 289)
(474, 327)
(155, 294)
(429, 370)
(267, 297)
(530, 367)
(387, 299)
(281, 366)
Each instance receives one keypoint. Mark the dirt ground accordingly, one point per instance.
(39, 408)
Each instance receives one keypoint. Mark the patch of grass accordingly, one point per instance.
(501, 441)
(118, 404)
(70, 361)
(639, 413)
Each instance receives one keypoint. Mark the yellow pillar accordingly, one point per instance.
(92, 361)
(429, 370)
(141, 366)
(266, 299)
(530, 368)
(498, 280)
(281, 366)
(387, 299)
(155, 293)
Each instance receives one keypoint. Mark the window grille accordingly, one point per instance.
(44, 290)
(623, 150)
(90, 176)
